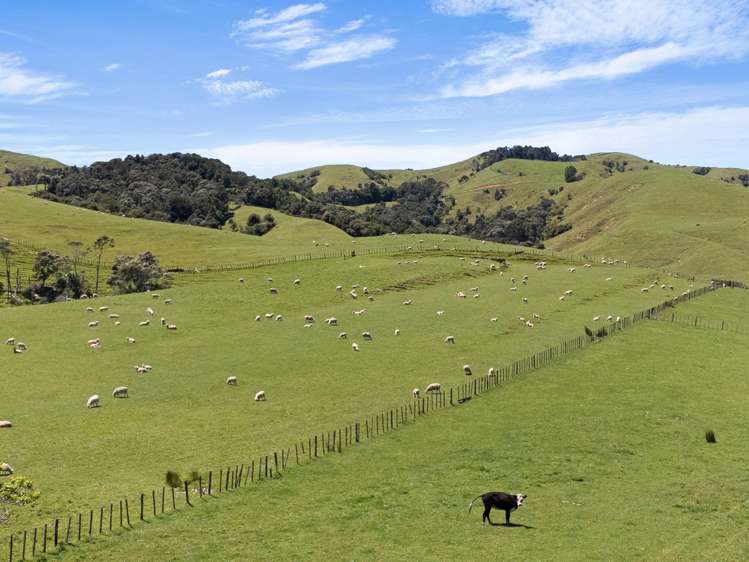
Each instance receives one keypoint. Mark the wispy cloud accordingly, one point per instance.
(112, 67)
(230, 91)
(22, 84)
(356, 48)
(296, 29)
(634, 35)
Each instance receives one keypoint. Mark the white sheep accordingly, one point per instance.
(297, 281)
(241, 279)
(168, 301)
(568, 292)
(118, 323)
(120, 392)
(339, 288)
(273, 291)
(93, 401)
(10, 341)
(114, 316)
(130, 340)
(596, 318)
(309, 318)
(492, 371)
(103, 308)
(408, 301)
(260, 396)
(416, 393)
(269, 315)
(89, 309)
(150, 311)
(5, 424)
(367, 336)
(171, 327)
(467, 370)
(495, 319)
(449, 339)
(232, 381)
(332, 321)
(342, 336)
(93, 324)
(279, 317)
(440, 313)
(355, 346)
(5, 469)
(434, 387)
(397, 332)
(525, 300)
(353, 294)
(144, 323)
(258, 318)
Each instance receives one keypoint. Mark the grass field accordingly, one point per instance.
(607, 443)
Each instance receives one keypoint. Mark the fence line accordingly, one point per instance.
(84, 525)
(699, 322)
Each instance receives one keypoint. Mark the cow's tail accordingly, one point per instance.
(470, 505)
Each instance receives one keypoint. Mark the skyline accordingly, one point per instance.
(271, 87)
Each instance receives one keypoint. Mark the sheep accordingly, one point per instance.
(332, 321)
(529, 323)
(397, 332)
(89, 309)
(370, 298)
(367, 336)
(168, 301)
(297, 282)
(258, 318)
(114, 316)
(513, 288)
(449, 339)
(309, 318)
(5, 469)
(460, 295)
(561, 298)
(231, 381)
(494, 319)
(93, 401)
(338, 288)
(117, 323)
(467, 370)
(365, 290)
(93, 324)
(571, 270)
(568, 292)
(20, 347)
(130, 340)
(95, 344)
(525, 300)
(355, 346)
(5, 424)
(644, 290)
(596, 318)
(241, 279)
(163, 321)
(342, 336)
(10, 341)
(353, 294)
(610, 318)
(407, 302)
(269, 315)
(120, 392)
(155, 296)
(492, 371)
(150, 311)
(474, 289)
(416, 394)
(273, 291)
(144, 323)
(103, 308)
(434, 387)
(269, 279)
(171, 327)
(440, 313)
(359, 312)
(260, 396)
(609, 279)
(279, 317)
(308, 325)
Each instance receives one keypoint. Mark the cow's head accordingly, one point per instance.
(520, 498)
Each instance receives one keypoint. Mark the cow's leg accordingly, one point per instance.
(487, 511)
(507, 516)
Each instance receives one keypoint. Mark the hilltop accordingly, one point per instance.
(15, 162)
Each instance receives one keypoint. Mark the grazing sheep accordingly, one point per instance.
(435, 387)
(367, 336)
(232, 381)
(474, 289)
(610, 318)
(571, 270)
(308, 325)
(492, 371)
(89, 309)
(155, 296)
(536, 316)
(120, 392)
(342, 336)
(416, 393)
(297, 281)
(365, 290)
(449, 339)
(407, 302)
(467, 370)
(355, 346)
(94, 344)
(460, 295)
(644, 289)
(269, 279)
(273, 291)
(241, 279)
(117, 323)
(529, 324)
(596, 318)
(269, 315)
(513, 288)
(93, 324)
(279, 317)
(163, 321)
(93, 401)
(359, 312)
(171, 327)
(260, 396)
(440, 313)
(5, 469)
(397, 332)
(5, 424)
(258, 318)
(131, 340)
(168, 301)
(568, 292)
(339, 288)
(10, 341)
(103, 308)
(114, 316)
(561, 298)
(309, 319)
(332, 321)
(495, 319)
(144, 323)
(525, 300)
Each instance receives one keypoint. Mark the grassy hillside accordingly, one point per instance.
(608, 444)
(292, 229)
(15, 161)
(659, 216)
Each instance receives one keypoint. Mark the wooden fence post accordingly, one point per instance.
(142, 501)
(210, 481)
(33, 546)
(174, 500)
(57, 532)
(127, 512)
(187, 493)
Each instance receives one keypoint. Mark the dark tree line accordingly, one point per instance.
(486, 159)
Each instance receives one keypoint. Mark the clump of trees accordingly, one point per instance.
(136, 274)
(258, 226)
(701, 170)
(570, 174)
(486, 159)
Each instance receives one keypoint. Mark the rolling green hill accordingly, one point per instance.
(638, 210)
(12, 161)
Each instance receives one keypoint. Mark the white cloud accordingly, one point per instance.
(355, 48)
(202, 134)
(112, 67)
(713, 136)
(226, 91)
(635, 35)
(296, 30)
(220, 73)
(22, 84)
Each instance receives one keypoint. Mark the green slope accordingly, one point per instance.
(15, 161)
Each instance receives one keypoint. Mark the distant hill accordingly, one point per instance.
(685, 218)
(13, 161)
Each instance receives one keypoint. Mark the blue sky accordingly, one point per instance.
(273, 86)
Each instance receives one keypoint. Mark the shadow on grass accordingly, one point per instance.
(512, 525)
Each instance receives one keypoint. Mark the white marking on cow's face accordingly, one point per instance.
(519, 498)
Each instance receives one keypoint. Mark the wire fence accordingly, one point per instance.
(84, 525)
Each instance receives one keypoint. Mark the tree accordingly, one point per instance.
(78, 252)
(46, 265)
(100, 246)
(6, 252)
(570, 174)
(137, 274)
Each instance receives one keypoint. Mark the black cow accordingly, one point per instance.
(499, 500)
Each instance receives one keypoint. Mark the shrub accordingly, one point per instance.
(172, 479)
(18, 490)
(570, 174)
(710, 436)
(701, 171)
(137, 274)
